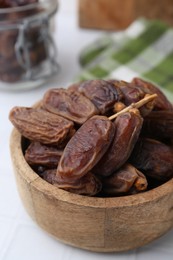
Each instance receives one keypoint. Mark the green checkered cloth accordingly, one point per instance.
(144, 49)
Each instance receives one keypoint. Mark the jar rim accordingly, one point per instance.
(47, 9)
(52, 3)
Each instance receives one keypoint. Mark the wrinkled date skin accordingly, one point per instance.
(75, 86)
(102, 93)
(39, 125)
(127, 130)
(88, 185)
(39, 154)
(69, 104)
(68, 141)
(158, 125)
(85, 148)
(161, 102)
(132, 94)
(153, 158)
(127, 180)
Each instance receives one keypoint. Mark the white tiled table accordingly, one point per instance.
(20, 237)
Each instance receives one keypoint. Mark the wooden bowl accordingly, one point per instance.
(95, 224)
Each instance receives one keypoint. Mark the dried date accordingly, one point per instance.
(42, 126)
(159, 125)
(87, 185)
(102, 93)
(74, 86)
(161, 102)
(69, 104)
(127, 130)
(11, 70)
(132, 94)
(38, 154)
(153, 158)
(127, 180)
(86, 148)
(8, 40)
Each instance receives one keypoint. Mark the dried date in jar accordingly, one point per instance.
(36, 51)
(26, 48)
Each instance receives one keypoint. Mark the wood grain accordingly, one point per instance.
(101, 14)
(155, 9)
(118, 14)
(95, 224)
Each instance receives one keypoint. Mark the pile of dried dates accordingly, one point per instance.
(100, 137)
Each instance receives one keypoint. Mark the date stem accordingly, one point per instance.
(138, 104)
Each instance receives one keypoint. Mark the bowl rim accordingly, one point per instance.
(23, 168)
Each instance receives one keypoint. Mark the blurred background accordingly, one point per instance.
(87, 34)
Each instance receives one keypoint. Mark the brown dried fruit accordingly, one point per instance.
(161, 102)
(132, 94)
(43, 155)
(127, 180)
(99, 146)
(127, 130)
(153, 158)
(74, 86)
(39, 125)
(87, 185)
(69, 104)
(158, 125)
(85, 148)
(10, 68)
(102, 93)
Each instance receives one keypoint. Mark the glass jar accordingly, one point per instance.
(27, 50)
